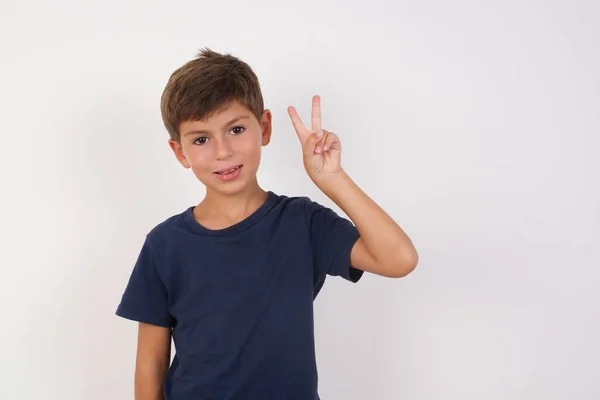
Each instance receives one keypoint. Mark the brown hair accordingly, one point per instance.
(204, 86)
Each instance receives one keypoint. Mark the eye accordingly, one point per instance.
(200, 140)
(237, 130)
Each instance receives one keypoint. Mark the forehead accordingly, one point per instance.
(223, 115)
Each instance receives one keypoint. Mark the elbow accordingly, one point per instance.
(404, 264)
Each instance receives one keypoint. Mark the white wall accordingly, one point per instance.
(475, 124)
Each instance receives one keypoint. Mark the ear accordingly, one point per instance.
(266, 125)
(178, 151)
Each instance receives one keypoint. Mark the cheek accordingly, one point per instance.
(252, 150)
(199, 160)
(245, 145)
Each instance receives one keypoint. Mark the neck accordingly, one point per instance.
(231, 206)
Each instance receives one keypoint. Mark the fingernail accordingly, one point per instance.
(319, 149)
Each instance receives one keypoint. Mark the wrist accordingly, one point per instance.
(332, 183)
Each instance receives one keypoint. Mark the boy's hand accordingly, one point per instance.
(321, 149)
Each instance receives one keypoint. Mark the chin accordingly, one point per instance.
(230, 188)
(227, 190)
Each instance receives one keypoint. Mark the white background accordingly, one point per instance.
(475, 124)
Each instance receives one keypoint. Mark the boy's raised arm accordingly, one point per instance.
(383, 248)
(152, 361)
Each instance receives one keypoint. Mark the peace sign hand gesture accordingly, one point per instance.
(321, 149)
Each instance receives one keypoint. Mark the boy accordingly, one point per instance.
(232, 280)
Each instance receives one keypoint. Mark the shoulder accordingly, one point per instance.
(168, 227)
(313, 213)
(301, 205)
(304, 203)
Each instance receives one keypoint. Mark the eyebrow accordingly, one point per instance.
(233, 121)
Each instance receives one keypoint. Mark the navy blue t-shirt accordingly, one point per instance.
(239, 300)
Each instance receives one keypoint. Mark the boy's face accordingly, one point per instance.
(224, 152)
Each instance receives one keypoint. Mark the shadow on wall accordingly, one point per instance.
(108, 174)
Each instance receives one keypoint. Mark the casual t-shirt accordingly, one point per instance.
(239, 300)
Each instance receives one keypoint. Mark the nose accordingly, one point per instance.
(224, 148)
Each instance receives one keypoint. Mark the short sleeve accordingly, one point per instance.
(332, 238)
(145, 298)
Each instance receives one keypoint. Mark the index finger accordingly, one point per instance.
(297, 122)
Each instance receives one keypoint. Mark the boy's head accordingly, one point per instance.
(213, 110)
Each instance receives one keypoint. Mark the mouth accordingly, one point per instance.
(228, 170)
